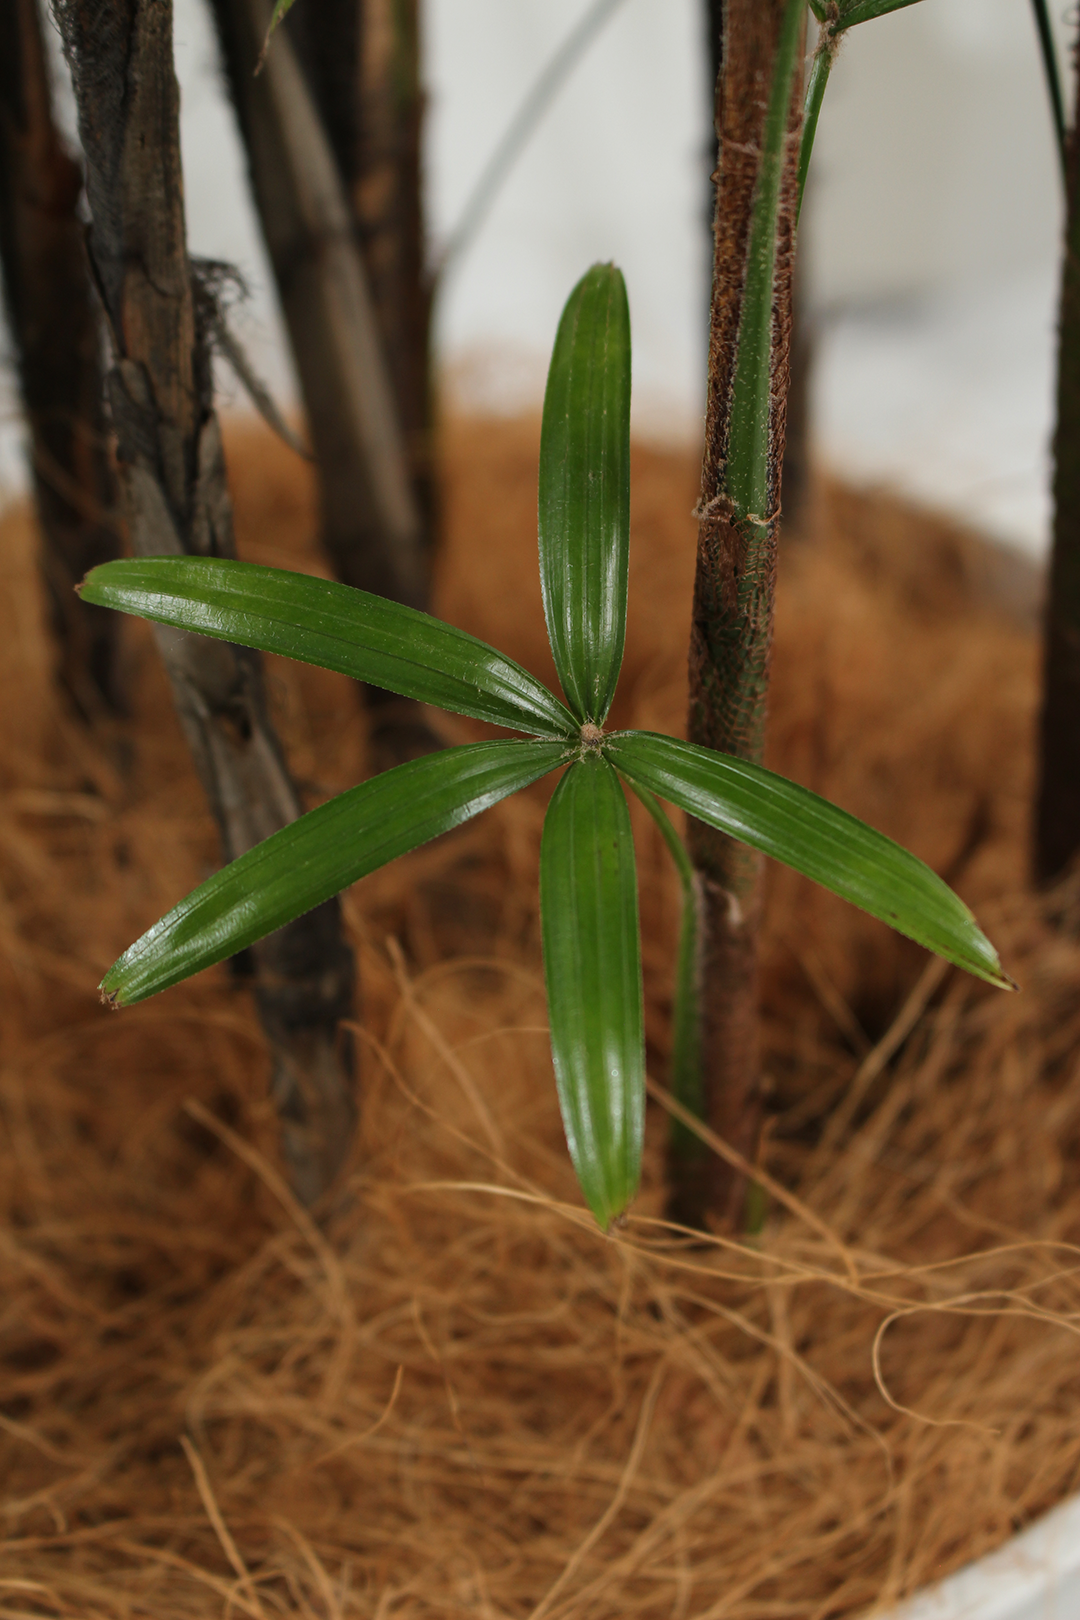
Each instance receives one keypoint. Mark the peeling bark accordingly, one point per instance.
(362, 60)
(55, 334)
(173, 477)
(386, 201)
(731, 629)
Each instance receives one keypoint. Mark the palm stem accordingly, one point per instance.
(746, 475)
(749, 340)
(173, 477)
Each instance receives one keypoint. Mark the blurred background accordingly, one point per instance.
(930, 240)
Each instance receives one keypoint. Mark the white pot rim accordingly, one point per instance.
(1035, 1576)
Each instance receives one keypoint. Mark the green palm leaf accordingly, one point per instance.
(337, 627)
(585, 491)
(797, 827)
(859, 11)
(684, 1071)
(592, 964)
(321, 854)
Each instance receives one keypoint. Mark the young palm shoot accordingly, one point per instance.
(588, 878)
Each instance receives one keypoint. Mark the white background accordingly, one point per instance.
(931, 231)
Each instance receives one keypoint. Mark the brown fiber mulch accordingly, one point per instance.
(450, 1394)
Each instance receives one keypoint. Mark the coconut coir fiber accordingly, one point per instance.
(451, 1395)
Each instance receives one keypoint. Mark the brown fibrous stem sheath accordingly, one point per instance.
(731, 629)
(172, 473)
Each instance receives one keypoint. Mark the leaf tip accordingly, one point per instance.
(277, 15)
(992, 970)
(993, 973)
(88, 580)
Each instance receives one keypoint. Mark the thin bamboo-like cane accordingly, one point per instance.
(366, 410)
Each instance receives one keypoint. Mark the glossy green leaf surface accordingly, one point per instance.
(797, 827)
(337, 627)
(684, 1071)
(584, 506)
(592, 965)
(321, 854)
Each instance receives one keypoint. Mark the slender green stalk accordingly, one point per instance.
(820, 69)
(746, 477)
(685, 1079)
(846, 16)
(1053, 79)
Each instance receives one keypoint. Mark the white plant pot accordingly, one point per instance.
(1035, 1576)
